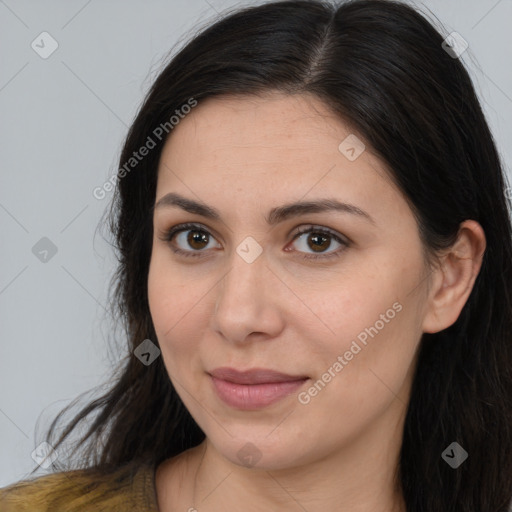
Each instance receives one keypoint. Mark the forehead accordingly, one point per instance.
(254, 126)
(268, 149)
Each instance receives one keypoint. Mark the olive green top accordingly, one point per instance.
(130, 488)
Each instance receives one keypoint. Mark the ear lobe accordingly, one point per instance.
(454, 279)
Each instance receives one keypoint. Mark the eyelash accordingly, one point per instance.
(169, 234)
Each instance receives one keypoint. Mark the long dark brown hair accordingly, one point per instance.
(382, 67)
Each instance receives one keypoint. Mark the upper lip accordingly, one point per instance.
(254, 376)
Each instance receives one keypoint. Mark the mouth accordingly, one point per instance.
(255, 388)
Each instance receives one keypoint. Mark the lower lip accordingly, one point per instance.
(254, 396)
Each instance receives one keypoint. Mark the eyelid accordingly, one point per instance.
(168, 234)
(307, 228)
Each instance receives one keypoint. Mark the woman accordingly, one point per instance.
(314, 277)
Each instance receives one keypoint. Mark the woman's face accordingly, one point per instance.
(246, 293)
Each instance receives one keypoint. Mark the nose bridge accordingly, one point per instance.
(243, 304)
(247, 270)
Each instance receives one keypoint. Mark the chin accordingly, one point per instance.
(261, 452)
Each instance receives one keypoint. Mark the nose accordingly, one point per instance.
(247, 301)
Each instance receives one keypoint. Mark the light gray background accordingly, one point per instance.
(63, 120)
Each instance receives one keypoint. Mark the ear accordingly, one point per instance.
(453, 280)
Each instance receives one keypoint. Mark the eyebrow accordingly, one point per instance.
(275, 215)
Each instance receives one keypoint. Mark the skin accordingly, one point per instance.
(244, 156)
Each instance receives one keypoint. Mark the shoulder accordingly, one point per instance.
(38, 494)
(130, 487)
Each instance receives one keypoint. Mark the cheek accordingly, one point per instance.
(356, 383)
(172, 304)
(348, 305)
(377, 335)
(372, 333)
(171, 296)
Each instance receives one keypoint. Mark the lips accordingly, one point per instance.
(255, 388)
(254, 376)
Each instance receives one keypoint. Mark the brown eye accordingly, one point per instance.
(197, 239)
(319, 240)
(188, 239)
(193, 240)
